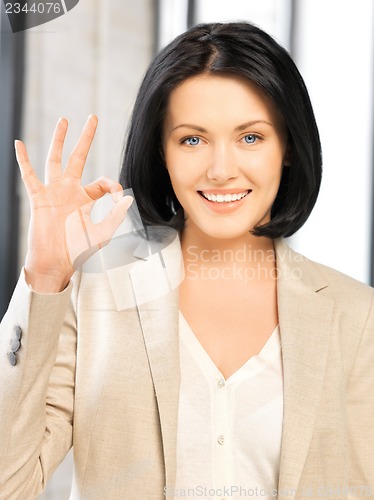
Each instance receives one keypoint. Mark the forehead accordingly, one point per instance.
(220, 97)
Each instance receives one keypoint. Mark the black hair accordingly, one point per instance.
(233, 49)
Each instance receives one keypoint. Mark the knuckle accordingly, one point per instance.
(81, 155)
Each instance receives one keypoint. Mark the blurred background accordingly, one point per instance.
(92, 59)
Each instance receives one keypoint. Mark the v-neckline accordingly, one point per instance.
(249, 368)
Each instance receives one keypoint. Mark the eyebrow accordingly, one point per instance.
(237, 129)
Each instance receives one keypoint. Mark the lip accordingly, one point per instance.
(224, 207)
(224, 191)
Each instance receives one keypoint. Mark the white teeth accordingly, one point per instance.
(222, 198)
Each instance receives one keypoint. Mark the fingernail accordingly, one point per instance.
(117, 196)
(128, 202)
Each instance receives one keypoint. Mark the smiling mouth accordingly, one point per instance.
(224, 198)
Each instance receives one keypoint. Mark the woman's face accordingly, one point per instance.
(225, 145)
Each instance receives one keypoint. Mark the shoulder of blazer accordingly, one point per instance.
(349, 294)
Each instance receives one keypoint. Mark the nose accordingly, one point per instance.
(222, 165)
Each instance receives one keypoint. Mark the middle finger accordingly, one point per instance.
(78, 157)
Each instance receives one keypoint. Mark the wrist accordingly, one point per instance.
(46, 283)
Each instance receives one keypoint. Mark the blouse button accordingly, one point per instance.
(221, 440)
(221, 383)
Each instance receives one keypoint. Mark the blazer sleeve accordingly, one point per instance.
(37, 370)
(360, 414)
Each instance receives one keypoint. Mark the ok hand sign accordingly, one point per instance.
(53, 245)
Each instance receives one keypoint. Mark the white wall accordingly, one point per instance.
(334, 52)
(272, 16)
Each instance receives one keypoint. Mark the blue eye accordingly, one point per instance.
(250, 138)
(192, 141)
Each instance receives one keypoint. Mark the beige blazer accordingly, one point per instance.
(111, 389)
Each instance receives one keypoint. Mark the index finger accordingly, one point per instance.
(78, 157)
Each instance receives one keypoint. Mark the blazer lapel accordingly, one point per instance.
(155, 288)
(305, 319)
(146, 277)
(159, 323)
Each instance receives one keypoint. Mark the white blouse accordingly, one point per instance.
(229, 431)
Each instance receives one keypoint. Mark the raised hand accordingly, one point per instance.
(60, 226)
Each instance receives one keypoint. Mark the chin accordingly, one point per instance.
(222, 231)
(225, 228)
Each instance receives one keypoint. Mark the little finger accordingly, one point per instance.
(29, 178)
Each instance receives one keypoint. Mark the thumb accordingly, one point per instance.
(113, 220)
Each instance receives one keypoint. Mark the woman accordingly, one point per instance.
(255, 376)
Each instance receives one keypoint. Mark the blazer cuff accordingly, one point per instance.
(30, 310)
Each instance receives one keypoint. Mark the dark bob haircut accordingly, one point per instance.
(232, 49)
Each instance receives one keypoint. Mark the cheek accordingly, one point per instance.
(176, 171)
(183, 172)
(179, 181)
(265, 169)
